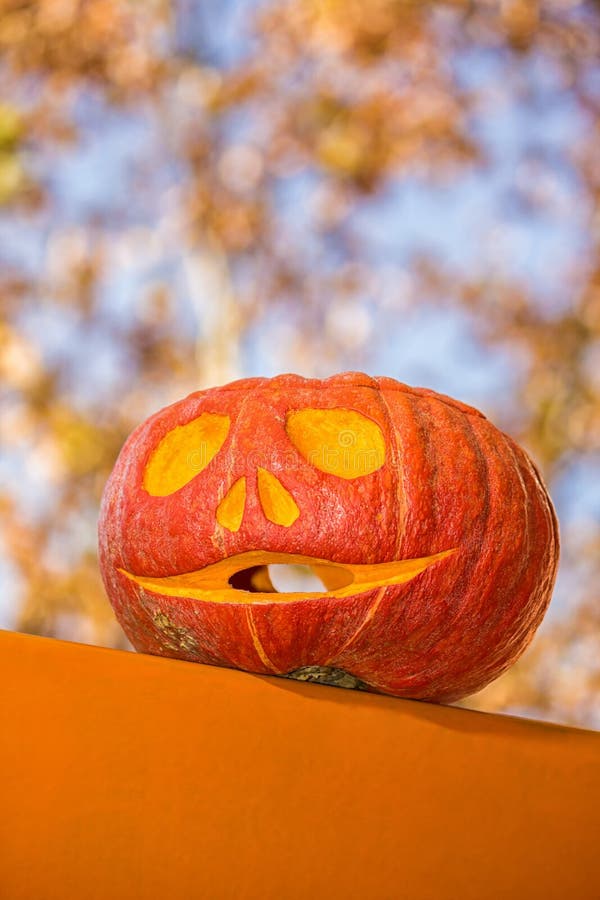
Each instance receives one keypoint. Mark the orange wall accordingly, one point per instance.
(126, 776)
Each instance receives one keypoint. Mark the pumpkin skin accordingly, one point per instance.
(438, 484)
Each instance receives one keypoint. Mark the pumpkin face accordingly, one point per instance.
(430, 530)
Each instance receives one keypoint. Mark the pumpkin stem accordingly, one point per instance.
(328, 675)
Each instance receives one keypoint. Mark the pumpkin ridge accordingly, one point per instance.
(431, 417)
(372, 609)
(527, 530)
(260, 650)
(397, 460)
(423, 415)
(544, 495)
(541, 501)
(499, 471)
(483, 521)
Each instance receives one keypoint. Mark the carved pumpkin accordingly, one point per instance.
(431, 531)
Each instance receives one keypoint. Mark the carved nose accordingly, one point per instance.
(277, 503)
(230, 510)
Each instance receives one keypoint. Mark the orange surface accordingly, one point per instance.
(127, 776)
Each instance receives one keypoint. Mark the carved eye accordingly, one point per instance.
(184, 452)
(339, 442)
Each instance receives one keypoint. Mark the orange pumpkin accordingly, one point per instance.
(431, 531)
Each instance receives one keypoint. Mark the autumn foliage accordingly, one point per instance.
(191, 190)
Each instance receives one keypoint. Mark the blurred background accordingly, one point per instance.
(193, 190)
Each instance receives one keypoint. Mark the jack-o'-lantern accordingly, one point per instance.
(430, 530)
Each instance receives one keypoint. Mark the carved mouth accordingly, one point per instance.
(244, 578)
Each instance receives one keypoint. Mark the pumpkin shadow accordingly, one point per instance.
(447, 717)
